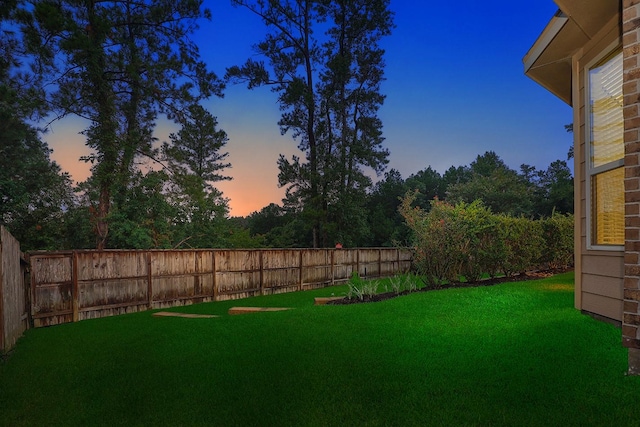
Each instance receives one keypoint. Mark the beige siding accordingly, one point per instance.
(603, 306)
(599, 274)
(608, 287)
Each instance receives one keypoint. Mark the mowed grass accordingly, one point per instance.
(515, 354)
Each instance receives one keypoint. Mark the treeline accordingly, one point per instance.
(165, 209)
(123, 66)
(376, 220)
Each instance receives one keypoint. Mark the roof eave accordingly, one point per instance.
(548, 62)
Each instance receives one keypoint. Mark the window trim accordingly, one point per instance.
(590, 171)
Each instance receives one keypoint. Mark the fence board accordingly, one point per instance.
(345, 263)
(316, 268)
(280, 271)
(51, 288)
(79, 285)
(369, 263)
(13, 296)
(110, 282)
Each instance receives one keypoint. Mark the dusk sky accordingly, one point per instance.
(455, 88)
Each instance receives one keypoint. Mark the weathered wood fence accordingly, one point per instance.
(76, 285)
(14, 303)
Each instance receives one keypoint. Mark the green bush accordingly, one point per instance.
(478, 225)
(558, 231)
(467, 240)
(433, 241)
(523, 244)
(450, 241)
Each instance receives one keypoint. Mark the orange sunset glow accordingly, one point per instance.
(252, 155)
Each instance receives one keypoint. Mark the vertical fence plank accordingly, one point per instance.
(261, 263)
(13, 295)
(301, 267)
(149, 282)
(197, 282)
(214, 291)
(333, 263)
(75, 295)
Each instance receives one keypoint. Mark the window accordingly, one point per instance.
(605, 145)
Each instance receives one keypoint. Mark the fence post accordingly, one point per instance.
(300, 270)
(333, 259)
(197, 285)
(75, 297)
(149, 282)
(26, 284)
(261, 272)
(214, 291)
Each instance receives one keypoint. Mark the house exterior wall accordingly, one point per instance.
(582, 33)
(631, 84)
(599, 273)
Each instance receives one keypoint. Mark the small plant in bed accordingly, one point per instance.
(361, 290)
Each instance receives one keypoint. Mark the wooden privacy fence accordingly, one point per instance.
(14, 303)
(76, 285)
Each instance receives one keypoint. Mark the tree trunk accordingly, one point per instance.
(102, 225)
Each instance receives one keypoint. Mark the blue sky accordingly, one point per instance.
(455, 88)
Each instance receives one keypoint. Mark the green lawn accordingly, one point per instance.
(515, 354)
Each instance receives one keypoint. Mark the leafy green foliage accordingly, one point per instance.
(34, 192)
(195, 162)
(361, 289)
(523, 244)
(552, 189)
(558, 233)
(119, 65)
(467, 240)
(428, 184)
(500, 188)
(449, 240)
(386, 226)
(403, 282)
(144, 220)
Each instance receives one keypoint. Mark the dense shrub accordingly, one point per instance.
(431, 242)
(466, 240)
(523, 244)
(557, 232)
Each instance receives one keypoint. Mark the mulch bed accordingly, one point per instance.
(532, 275)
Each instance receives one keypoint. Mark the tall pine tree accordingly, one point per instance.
(325, 63)
(119, 64)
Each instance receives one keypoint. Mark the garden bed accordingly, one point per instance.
(532, 275)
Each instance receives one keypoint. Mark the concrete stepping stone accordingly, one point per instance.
(187, 315)
(324, 300)
(245, 310)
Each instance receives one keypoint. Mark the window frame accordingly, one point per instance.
(590, 171)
